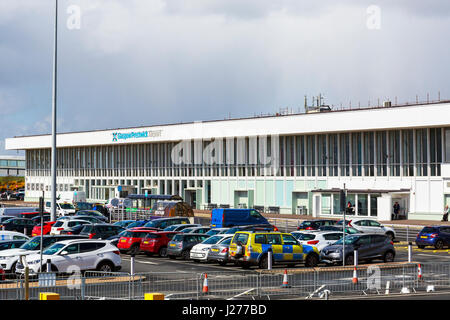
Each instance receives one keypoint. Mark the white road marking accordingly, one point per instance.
(139, 261)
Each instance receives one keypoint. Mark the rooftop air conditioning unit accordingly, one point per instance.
(387, 104)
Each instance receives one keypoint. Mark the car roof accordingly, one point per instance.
(82, 240)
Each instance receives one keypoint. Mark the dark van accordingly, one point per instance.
(225, 218)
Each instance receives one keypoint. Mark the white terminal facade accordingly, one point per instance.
(288, 164)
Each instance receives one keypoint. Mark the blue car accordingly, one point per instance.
(437, 236)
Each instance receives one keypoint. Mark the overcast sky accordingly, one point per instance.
(144, 62)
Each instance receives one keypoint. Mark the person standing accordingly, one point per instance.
(396, 210)
(446, 212)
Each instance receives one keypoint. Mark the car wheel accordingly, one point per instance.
(389, 256)
(185, 255)
(420, 246)
(312, 260)
(105, 267)
(264, 262)
(439, 244)
(162, 252)
(349, 260)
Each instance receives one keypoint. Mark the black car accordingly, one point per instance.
(369, 246)
(163, 223)
(73, 230)
(101, 231)
(11, 244)
(91, 213)
(315, 224)
(182, 243)
(22, 225)
(37, 220)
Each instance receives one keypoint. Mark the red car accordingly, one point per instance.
(47, 227)
(130, 242)
(156, 242)
(2, 274)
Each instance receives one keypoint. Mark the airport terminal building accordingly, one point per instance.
(290, 164)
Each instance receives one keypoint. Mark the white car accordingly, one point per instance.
(65, 224)
(199, 252)
(12, 235)
(75, 255)
(371, 226)
(62, 208)
(318, 239)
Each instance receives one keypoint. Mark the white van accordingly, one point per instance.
(16, 211)
(62, 208)
(72, 196)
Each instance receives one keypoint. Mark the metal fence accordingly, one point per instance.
(263, 284)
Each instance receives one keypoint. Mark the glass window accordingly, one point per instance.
(435, 151)
(88, 247)
(447, 144)
(408, 152)
(53, 249)
(382, 153)
(274, 239)
(345, 154)
(289, 240)
(421, 152)
(240, 237)
(362, 205)
(73, 248)
(374, 223)
(394, 152)
(374, 205)
(333, 236)
(365, 240)
(369, 156)
(326, 203)
(260, 238)
(356, 154)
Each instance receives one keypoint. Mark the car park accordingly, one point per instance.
(199, 252)
(371, 226)
(163, 223)
(219, 252)
(82, 254)
(182, 243)
(47, 227)
(92, 213)
(196, 230)
(156, 242)
(101, 230)
(11, 244)
(319, 239)
(62, 225)
(12, 235)
(9, 257)
(253, 247)
(131, 239)
(369, 246)
(22, 225)
(435, 236)
(315, 224)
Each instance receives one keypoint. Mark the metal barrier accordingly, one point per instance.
(295, 283)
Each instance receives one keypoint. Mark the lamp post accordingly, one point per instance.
(53, 164)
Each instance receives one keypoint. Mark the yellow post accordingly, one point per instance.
(154, 296)
(48, 296)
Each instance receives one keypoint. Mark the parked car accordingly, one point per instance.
(62, 225)
(200, 251)
(369, 246)
(4, 218)
(123, 223)
(156, 242)
(12, 235)
(315, 224)
(258, 227)
(18, 224)
(131, 239)
(84, 254)
(11, 244)
(348, 230)
(2, 274)
(182, 243)
(73, 230)
(101, 230)
(180, 227)
(319, 239)
(9, 257)
(163, 223)
(371, 226)
(37, 220)
(436, 236)
(137, 224)
(196, 230)
(221, 218)
(219, 252)
(47, 227)
(91, 213)
(86, 218)
(251, 248)
(214, 231)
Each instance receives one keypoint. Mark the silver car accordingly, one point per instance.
(219, 252)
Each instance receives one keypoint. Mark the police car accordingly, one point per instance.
(249, 248)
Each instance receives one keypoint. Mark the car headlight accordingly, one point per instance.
(205, 249)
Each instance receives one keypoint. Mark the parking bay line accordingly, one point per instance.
(139, 261)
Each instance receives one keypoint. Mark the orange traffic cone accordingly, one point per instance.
(285, 280)
(419, 272)
(355, 276)
(205, 284)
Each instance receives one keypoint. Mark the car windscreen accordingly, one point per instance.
(53, 249)
(348, 240)
(66, 206)
(134, 224)
(429, 230)
(58, 224)
(212, 240)
(304, 236)
(178, 238)
(32, 244)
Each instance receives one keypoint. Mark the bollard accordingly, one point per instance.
(269, 260)
(355, 257)
(132, 265)
(409, 252)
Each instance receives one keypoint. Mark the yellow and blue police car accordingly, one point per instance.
(249, 248)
